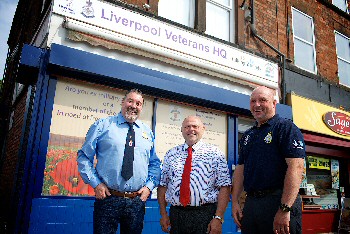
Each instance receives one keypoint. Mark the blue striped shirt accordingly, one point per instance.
(106, 139)
(209, 173)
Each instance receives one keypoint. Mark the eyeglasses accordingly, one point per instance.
(195, 127)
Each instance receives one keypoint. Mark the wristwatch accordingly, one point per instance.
(285, 208)
(219, 218)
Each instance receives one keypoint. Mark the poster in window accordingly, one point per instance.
(169, 120)
(304, 177)
(77, 105)
(335, 173)
(319, 163)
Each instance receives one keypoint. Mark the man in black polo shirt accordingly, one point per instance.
(270, 167)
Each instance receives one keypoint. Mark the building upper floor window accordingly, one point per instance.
(218, 16)
(219, 19)
(343, 55)
(304, 41)
(179, 11)
(341, 4)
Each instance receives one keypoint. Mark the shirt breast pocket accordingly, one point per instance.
(143, 148)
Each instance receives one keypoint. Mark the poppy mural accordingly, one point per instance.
(61, 176)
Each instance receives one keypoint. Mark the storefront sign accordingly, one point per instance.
(320, 118)
(319, 163)
(114, 23)
(337, 122)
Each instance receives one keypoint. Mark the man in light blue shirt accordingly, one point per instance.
(118, 200)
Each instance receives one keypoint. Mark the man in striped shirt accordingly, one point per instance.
(209, 184)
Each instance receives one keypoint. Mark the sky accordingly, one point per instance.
(7, 11)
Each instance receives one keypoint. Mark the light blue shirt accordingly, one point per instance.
(106, 139)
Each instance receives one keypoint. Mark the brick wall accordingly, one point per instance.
(273, 18)
(10, 163)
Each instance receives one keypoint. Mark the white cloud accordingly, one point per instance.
(7, 11)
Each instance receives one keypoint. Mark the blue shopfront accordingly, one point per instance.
(74, 88)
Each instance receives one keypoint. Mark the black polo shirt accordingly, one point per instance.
(263, 151)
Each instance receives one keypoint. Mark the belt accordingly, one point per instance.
(194, 207)
(123, 194)
(262, 193)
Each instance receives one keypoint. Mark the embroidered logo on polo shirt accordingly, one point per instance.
(246, 139)
(298, 144)
(268, 138)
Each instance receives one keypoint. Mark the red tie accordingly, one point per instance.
(185, 192)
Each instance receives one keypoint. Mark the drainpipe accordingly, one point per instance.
(282, 56)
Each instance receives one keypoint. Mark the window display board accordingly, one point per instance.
(76, 106)
(169, 120)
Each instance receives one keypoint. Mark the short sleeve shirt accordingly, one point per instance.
(209, 173)
(263, 151)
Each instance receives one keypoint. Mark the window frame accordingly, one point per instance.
(191, 15)
(200, 17)
(340, 58)
(335, 3)
(231, 9)
(304, 41)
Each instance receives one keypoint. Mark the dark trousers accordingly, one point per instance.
(111, 211)
(259, 213)
(191, 220)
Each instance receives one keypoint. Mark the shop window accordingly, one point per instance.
(78, 104)
(219, 19)
(343, 56)
(169, 120)
(243, 125)
(304, 41)
(321, 184)
(341, 4)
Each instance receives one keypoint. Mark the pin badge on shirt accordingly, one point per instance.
(130, 143)
(268, 138)
(144, 135)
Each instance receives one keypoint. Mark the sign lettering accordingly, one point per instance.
(337, 122)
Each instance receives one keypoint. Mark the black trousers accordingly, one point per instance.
(259, 213)
(191, 220)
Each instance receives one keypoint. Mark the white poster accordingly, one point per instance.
(169, 120)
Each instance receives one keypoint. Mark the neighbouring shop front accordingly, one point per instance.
(325, 185)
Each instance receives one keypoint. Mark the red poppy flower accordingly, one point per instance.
(66, 174)
(54, 190)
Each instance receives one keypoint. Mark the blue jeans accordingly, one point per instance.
(112, 210)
